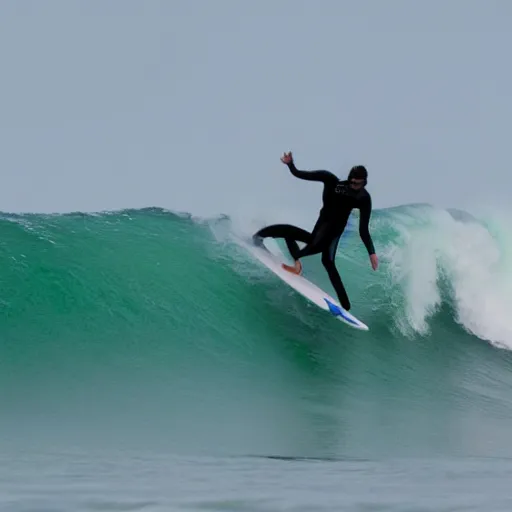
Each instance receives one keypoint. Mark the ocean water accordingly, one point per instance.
(148, 363)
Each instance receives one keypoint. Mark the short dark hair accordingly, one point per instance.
(358, 172)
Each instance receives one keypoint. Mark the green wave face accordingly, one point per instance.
(146, 328)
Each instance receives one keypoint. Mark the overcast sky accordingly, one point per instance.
(189, 104)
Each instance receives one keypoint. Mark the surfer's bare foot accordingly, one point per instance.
(296, 269)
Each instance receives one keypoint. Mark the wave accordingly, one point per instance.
(117, 323)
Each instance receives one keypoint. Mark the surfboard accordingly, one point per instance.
(304, 286)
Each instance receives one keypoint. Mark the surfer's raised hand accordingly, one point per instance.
(375, 261)
(287, 158)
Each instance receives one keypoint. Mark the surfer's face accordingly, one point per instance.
(356, 184)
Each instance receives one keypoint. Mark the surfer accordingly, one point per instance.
(339, 198)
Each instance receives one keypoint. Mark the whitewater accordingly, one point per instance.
(148, 363)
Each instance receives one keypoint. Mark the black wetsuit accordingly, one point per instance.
(338, 201)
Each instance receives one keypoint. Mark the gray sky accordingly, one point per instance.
(189, 104)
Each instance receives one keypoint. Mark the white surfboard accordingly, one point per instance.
(305, 287)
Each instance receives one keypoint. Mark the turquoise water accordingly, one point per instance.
(147, 362)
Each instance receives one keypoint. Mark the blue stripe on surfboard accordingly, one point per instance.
(337, 311)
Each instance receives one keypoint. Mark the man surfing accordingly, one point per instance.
(339, 198)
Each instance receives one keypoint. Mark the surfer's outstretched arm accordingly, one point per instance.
(322, 176)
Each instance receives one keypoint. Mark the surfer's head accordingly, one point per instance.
(358, 177)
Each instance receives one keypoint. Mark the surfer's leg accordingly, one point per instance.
(317, 243)
(328, 260)
(291, 235)
(318, 239)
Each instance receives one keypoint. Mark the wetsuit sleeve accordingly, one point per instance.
(364, 222)
(322, 176)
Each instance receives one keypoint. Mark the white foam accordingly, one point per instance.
(432, 244)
